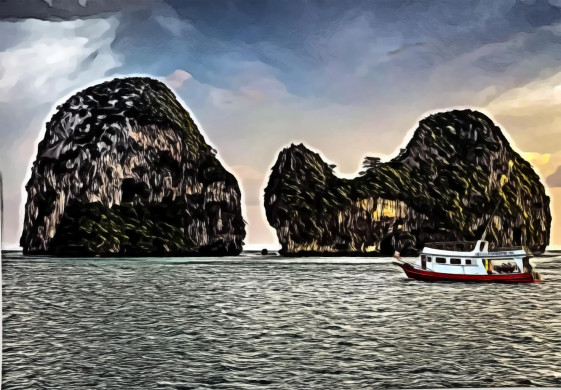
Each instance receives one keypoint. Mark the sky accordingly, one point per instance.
(349, 78)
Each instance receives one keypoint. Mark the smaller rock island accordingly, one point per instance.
(444, 186)
(123, 170)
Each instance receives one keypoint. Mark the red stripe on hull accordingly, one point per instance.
(431, 276)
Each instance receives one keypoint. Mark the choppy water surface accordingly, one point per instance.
(260, 322)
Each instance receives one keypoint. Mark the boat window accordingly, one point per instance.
(481, 247)
(468, 261)
(440, 260)
(429, 259)
(455, 261)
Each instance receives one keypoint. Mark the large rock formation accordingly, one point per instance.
(443, 186)
(123, 170)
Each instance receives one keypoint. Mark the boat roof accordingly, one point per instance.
(455, 246)
(475, 251)
(466, 246)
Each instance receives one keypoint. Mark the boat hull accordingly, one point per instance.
(432, 276)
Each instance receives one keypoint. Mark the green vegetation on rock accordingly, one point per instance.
(123, 170)
(443, 186)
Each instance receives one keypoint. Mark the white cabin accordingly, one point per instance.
(467, 258)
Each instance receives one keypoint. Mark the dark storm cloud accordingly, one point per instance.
(290, 35)
(332, 48)
(55, 10)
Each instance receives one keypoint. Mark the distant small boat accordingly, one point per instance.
(471, 262)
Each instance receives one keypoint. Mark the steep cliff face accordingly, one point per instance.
(443, 186)
(123, 170)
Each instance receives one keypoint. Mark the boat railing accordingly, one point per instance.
(412, 265)
(505, 248)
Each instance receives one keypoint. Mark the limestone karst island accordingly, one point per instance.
(444, 186)
(122, 170)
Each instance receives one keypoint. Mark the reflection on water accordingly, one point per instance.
(264, 321)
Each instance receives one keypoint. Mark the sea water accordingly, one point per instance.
(257, 321)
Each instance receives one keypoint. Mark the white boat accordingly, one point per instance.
(469, 261)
